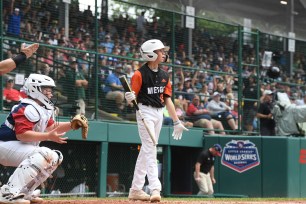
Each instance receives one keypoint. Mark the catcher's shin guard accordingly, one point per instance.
(34, 171)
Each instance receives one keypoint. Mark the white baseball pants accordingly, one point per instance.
(147, 162)
(205, 184)
(12, 153)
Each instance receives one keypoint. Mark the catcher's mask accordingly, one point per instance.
(33, 87)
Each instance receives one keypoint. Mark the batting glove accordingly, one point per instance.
(178, 130)
(130, 96)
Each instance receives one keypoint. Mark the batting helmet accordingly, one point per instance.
(147, 49)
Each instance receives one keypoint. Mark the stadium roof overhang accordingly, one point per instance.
(268, 16)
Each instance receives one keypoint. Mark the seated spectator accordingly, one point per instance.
(129, 72)
(204, 95)
(232, 103)
(11, 96)
(108, 44)
(113, 87)
(167, 119)
(74, 87)
(181, 113)
(181, 96)
(187, 88)
(221, 111)
(201, 117)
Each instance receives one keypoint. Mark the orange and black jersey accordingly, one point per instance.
(151, 87)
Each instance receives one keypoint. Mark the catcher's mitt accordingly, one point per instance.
(80, 121)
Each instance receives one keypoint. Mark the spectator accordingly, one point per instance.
(53, 39)
(48, 57)
(44, 68)
(204, 95)
(181, 113)
(135, 65)
(113, 88)
(221, 111)
(13, 28)
(204, 173)
(89, 44)
(84, 64)
(74, 87)
(188, 89)
(154, 28)
(11, 96)
(108, 44)
(88, 16)
(250, 104)
(201, 117)
(129, 72)
(267, 123)
(167, 120)
(141, 24)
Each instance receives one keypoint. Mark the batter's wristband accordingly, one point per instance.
(176, 122)
(20, 58)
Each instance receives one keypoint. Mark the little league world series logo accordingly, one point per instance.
(240, 155)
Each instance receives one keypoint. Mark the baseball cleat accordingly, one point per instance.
(155, 196)
(15, 199)
(35, 199)
(138, 195)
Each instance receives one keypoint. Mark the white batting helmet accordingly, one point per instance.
(32, 87)
(147, 49)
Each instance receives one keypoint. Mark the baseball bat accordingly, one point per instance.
(127, 88)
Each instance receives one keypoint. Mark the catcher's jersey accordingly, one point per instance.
(17, 123)
(151, 87)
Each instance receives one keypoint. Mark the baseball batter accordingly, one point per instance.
(204, 173)
(153, 89)
(29, 123)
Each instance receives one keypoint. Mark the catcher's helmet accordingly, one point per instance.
(33, 88)
(147, 49)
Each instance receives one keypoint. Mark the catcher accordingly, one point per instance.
(11, 63)
(29, 123)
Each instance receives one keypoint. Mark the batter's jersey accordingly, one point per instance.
(207, 160)
(151, 87)
(17, 123)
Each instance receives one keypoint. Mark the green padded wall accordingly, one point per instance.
(245, 183)
(303, 169)
(294, 171)
(274, 172)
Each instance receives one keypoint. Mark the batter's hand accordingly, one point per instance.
(130, 96)
(28, 51)
(54, 136)
(213, 180)
(198, 178)
(178, 130)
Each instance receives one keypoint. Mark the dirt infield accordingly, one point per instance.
(204, 201)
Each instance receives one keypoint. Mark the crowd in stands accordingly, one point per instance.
(205, 85)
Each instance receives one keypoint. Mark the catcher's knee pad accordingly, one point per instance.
(34, 170)
(53, 157)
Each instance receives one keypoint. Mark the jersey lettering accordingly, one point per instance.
(156, 90)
